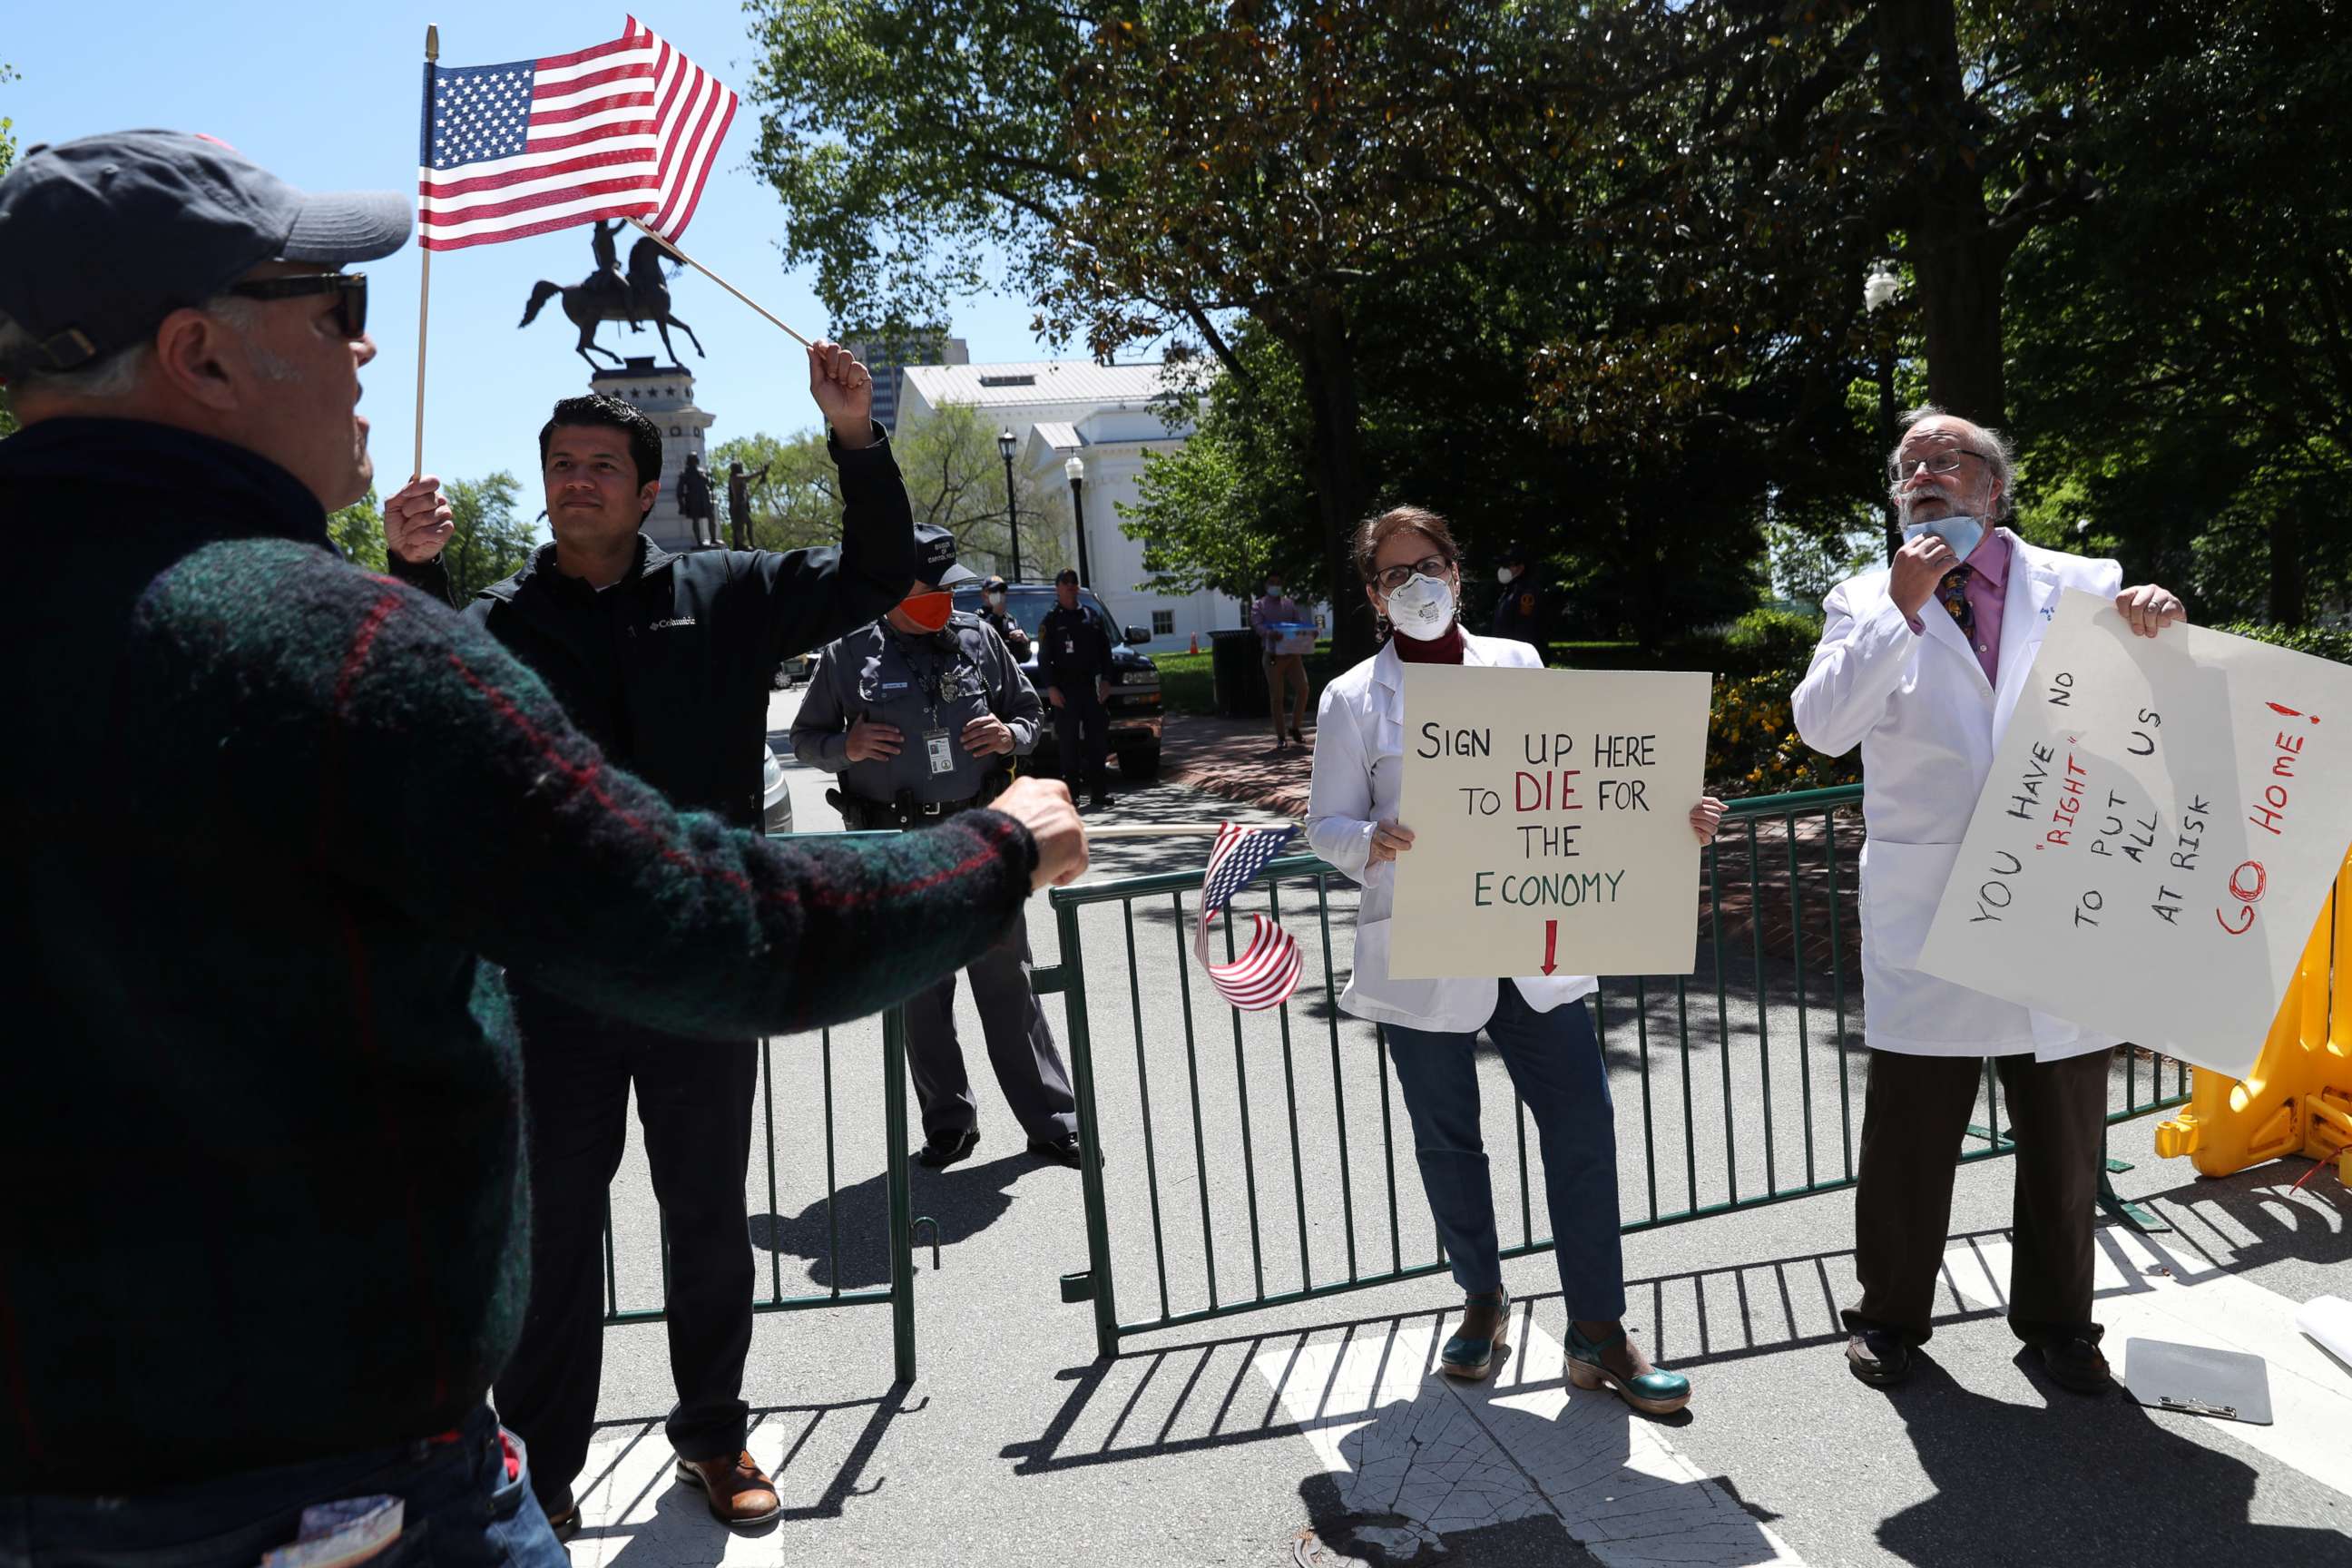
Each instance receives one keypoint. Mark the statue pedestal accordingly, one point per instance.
(665, 394)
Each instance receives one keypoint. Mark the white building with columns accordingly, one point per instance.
(1103, 418)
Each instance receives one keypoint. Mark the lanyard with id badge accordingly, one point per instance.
(937, 744)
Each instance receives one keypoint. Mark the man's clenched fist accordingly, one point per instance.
(1043, 805)
(417, 520)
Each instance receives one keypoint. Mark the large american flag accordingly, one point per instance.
(1266, 972)
(692, 109)
(627, 128)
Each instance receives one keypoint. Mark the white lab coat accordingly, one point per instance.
(1928, 723)
(1359, 772)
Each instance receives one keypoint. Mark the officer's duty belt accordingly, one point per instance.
(864, 815)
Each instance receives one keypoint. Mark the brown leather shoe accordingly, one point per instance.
(741, 1495)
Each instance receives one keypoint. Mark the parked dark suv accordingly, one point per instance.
(1135, 716)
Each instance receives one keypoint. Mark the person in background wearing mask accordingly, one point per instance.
(993, 596)
(1921, 664)
(918, 714)
(667, 661)
(1412, 572)
(1283, 670)
(1074, 660)
(1519, 611)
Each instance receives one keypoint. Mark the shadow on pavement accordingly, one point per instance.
(2084, 1480)
(963, 1199)
(636, 1511)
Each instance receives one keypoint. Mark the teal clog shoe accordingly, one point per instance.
(1486, 1319)
(1654, 1393)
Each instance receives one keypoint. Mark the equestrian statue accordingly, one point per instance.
(607, 294)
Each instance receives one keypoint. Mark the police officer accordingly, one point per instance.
(921, 713)
(993, 596)
(1519, 612)
(1074, 662)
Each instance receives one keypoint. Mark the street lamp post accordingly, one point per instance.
(1880, 290)
(1011, 507)
(1074, 471)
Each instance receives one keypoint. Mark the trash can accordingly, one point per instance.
(1237, 671)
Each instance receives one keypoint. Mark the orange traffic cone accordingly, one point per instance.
(1196, 642)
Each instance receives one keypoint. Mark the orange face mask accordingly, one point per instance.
(928, 612)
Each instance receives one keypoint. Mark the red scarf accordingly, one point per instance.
(1446, 650)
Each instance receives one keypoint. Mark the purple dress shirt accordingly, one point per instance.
(1988, 592)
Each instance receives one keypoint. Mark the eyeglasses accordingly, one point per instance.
(1941, 460)
(349, 289)
(1396, 577)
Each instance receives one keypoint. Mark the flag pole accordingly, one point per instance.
(671, 245)
(425, 258)
(1155, 830)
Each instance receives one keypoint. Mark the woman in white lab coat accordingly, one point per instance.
(1411, 572)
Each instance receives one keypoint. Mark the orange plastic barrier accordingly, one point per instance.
(2299, 1099)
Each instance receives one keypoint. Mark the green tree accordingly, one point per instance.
(358, 531)
(798, 503)
(1168, 167)
(2185, 351)
(955, 477)
(492, 540)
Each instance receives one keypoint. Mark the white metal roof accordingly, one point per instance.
(1039, 381)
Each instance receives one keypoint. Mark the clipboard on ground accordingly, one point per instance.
(2198, 1379)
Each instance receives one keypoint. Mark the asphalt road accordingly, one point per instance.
(1221, 1441)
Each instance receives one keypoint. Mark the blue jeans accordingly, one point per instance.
(1555, 1062)
(462, 1511)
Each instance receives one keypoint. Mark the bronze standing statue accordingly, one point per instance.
(605, 296)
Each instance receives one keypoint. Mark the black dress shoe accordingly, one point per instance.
(1878, 1358)
(940, 1156)
(564, 1516)
(2077, 1365)
(1062, 1151)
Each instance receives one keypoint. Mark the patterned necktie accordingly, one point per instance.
(1953, 593)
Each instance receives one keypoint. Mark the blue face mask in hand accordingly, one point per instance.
(1960, 530)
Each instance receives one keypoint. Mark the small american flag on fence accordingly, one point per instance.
(627, 128)
(1266, 972)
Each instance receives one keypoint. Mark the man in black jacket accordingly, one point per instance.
(1074, 665)
(667, 661)
(243, 982)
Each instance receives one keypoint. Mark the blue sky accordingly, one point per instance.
(327, 96)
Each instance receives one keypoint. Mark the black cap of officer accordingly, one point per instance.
(1068, 574)
(1514, 555)
(935, 557)
(103, 238)
(995, 585)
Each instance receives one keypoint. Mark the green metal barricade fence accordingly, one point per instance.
(833, 1232)
(1773, 1117)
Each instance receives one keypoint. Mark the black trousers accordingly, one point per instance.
(1914, 1116)
(1021, 1047)
(1082, 719)
(694, 1101)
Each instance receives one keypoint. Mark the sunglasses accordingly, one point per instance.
(349, 289)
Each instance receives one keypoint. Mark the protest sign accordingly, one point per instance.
(2160, 827)
(1551, 812)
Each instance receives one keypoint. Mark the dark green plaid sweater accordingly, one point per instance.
(261, 1185)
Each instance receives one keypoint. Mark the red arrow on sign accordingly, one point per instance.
(1551, 943)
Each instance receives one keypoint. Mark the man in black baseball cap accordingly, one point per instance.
(160, 276)
(994, 597)
(241, 976)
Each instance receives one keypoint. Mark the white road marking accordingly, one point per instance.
(1446, 1456)
(2199, 1304)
